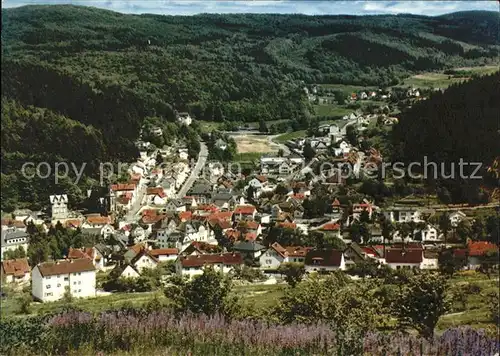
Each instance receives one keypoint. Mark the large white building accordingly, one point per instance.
(59, 206)
(50, 280)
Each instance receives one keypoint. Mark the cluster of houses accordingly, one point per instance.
(225, 219)
(322, 96)
(76, 274)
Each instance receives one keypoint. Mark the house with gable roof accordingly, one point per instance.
(16, 271)
(406, 257)
(92, 253)
(175, 205)
(193, 265)
(144, 260)
(276, 254)
(244, 212)
(331, 228)
(325, 260)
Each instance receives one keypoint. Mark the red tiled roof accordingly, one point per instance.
(244, 209)
(279, 249)
(149, 212)
(16, 267)
(480, 248)
(13, 222)
(397, 255)
(156, 191)
(76, 253)
(163, 251)
(297, 251)
(336, 202)
(330, 227)
(233, 234)
(123, 187)
(223, 224)
(152, 219)
(210, 259)
(185, 215)
(207, 207)
(253, 225)
(73, 223)
(65, 267)
(204, 247)
(221, 215)
(137, 248)
(261, 178)
(98, 220)
(287, 225)
(368, 250)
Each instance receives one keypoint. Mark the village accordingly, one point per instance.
(191, 212)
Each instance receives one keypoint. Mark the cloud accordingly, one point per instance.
(309, 7)
(426, 7)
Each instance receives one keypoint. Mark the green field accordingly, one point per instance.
(290, 136)
(441, 80)
(331, 110)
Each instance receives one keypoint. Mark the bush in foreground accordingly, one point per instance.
(124, 331)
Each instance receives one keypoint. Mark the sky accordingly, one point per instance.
(308, 7)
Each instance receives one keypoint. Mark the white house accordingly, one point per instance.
(13, 239)
(324, 261)
(156, 196)
(403, 214)
(175, 205)
(129, 272)
(193, 265)
(399, 258)
(50, 280)
(273, 257)
(343, 148)
(144, 260)
(245, 212)
(16, 271)
(165, 254)
(429, 233)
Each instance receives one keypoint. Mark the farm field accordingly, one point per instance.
(253, 143)
(441, 80)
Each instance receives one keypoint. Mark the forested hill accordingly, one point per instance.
(99, 74)
(461, 123)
